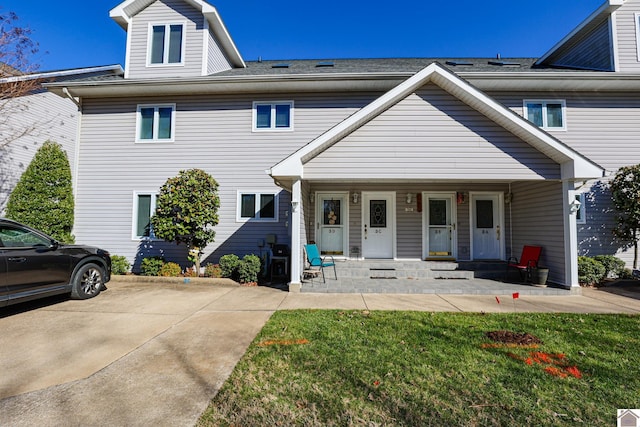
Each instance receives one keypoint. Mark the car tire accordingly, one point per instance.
(87, 282)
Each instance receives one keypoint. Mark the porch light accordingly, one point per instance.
(574, 205)
(410, 198)
(312, 197)
(354, 197)
(294, 206)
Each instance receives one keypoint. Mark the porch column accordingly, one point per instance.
(570, 234)
(296, 223)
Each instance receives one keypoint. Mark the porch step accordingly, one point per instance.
(485, 269)
(372, 269)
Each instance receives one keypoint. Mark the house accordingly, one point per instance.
(36, 116)
(400, 159)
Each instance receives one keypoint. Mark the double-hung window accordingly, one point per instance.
(277, 115)
(144, 206)
(546, 114)
(166, 44)
(155, 123)
(257, 206)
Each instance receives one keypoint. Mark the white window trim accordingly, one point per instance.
(544, 103)
(272, 127)
(582, 209)
(156, 123)
(165, 56)
(134, 218)
(636, 17)
(257, 193)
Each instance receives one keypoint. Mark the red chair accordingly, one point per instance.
(528, 261)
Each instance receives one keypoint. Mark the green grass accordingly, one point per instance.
(421, 369)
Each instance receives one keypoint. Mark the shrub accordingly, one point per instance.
(590, 271)
(248, 269)
(229, 265)
(213, 270)
(613, 266)
(190, 272)
(120, 264)
(170, 269)
(151, 266)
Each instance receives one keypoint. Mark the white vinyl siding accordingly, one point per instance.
(273, 116)
(216, 59)
(547, 114)
(593, 52)
(166, 44)
(257, 206)
(627, 33)
(155, 123)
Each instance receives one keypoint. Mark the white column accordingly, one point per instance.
(296, 222)
(570, 235)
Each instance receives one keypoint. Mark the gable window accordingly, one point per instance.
(273, 115)
(155, 123)
(166, 43)
(546, 114)
(144, 206)
(257, 206)
(581, 212)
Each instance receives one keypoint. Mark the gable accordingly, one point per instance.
(430, 134)
(592, 51)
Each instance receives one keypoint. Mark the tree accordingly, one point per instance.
(625, 192)
(43, 197)
(187, 211)
(16, 50)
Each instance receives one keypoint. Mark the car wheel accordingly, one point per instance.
(88, 282)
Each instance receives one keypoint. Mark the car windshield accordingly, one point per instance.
(17, 237)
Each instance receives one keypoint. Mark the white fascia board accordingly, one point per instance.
(607, 8)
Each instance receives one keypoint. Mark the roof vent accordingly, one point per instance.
(504, 63)
(454, 63)
(281, 65)
(325, 64)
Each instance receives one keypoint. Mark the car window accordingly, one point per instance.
(13, 237)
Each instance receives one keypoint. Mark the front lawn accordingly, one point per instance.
(345, 368)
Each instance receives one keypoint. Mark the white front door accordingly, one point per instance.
(486, 225)
(332, 222)
(439, 225)
(378, 224)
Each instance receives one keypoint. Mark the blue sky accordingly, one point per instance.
(79, 33)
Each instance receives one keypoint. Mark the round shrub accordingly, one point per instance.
(229, 265)
(170, 269)
(249, 268)
(151, 266)
(212, 270)
(590, 271)
(613, 266)
(120, 264)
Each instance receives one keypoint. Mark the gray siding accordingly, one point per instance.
(216, 59)
(167, 11)
(536, 212)
(431, 135)
(626, 29)
(28, 122)
(593, 52)
(212, 133)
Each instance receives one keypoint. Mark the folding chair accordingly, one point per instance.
(315, 260)
(528, 261)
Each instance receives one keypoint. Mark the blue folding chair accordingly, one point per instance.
(315, 260)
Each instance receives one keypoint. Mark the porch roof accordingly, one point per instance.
(573, 164)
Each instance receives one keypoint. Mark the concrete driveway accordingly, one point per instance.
(145, 354)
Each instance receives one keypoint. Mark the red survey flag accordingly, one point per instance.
(516, 295)
(498, 299)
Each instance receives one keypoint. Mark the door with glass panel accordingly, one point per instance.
(378, 224)
(331, 223)
(439, 225)
(486, 225)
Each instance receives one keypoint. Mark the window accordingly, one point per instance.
(257, 206)
(546, 114)
(17, 237)
(166, 44)
(155, 123)
(144, 206)
(581, 217)
(273, 115)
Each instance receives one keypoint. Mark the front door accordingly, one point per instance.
(378, 222)
(439, 225)
(332, 220)
(486, 226)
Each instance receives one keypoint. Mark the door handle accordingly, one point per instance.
(17, 259)
(497, 232)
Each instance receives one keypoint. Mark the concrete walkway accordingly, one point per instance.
(154, 353)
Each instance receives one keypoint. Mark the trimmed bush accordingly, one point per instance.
(120, 264)
(151, 266)
(212, 270)
(170, 269)
(249, 268)
(613, 266)
(229, 265)
(590, 271)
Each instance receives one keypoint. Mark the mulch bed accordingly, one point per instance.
(509, 337)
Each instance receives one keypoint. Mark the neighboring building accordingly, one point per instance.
(30, 120)
(429, 158)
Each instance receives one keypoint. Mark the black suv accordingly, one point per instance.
(33, 265)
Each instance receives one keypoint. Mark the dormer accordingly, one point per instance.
(175, 38)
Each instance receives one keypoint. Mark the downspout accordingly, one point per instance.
(71, 97)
